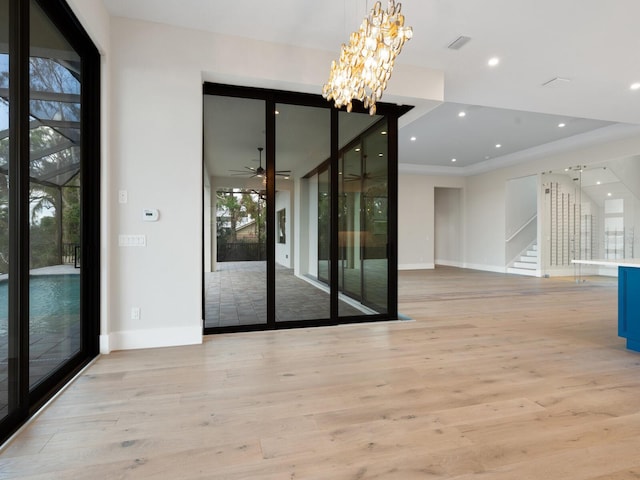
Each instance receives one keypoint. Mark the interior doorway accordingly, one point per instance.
(448, 225)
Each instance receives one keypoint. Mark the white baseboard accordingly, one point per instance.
(151, 338)
(449, 263)
(486, 268)
(416, 266)
(104, 344)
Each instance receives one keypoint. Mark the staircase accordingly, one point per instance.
(526, 263)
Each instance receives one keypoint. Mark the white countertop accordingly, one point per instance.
(624, 262)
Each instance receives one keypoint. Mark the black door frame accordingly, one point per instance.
(271, 98)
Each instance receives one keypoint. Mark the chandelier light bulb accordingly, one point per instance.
(365, 64)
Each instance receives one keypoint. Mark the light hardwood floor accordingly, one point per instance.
(498, 377)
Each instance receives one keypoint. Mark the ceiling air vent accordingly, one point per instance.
(556, 82)
(459, 42)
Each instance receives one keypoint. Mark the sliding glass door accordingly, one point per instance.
(326, 178)
(363, 262)
(54, 201)
(49, 204)
(236, 283)
(303, 141)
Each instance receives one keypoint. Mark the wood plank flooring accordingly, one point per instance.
(498, 377)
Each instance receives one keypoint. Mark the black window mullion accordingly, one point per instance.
(392, 215)
(334, 248)
(270, 131)
(90, 201)
(19, 206)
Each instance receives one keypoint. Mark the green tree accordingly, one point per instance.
(230, 209)
(255, 206)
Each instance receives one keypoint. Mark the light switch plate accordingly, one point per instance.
(132, 240)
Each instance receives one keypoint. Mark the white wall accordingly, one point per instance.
(416, 227)
(151, 147)
(156, 157)
(522, 202)
(485, 195)
(448, 228)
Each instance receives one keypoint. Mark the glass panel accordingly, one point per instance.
(350, 261)
(590, 213)
(235, 288)
(4, 210)
(375, 219)
(54, 198)
(323, 209)
(362, 215)
(302, 146)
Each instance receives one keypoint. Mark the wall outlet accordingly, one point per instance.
(122, 196)
(135, 313)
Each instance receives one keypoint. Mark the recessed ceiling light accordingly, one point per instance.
(357, 149)
(562, 125)
(413, 139)
(453, 160)
(462, 114)
(598, 182)
(635, 86)
(277, 112)
(493, 61)
(383, 132)
(498, 145)
(381, 154)
(609, 194)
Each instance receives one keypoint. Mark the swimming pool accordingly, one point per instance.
(54, 303)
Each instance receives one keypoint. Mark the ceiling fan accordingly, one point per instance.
(260, 171)
(364, 176)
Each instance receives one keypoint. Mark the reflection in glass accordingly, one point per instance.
(375, 215)
(324, 224)
(362, 223)
(54, 199)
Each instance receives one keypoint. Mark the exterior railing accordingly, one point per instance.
(241, 252)
(71, 254)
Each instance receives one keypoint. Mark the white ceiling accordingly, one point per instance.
(592, 43)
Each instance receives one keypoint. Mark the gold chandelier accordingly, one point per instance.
(365, 65)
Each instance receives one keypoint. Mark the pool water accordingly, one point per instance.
(54, 303)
